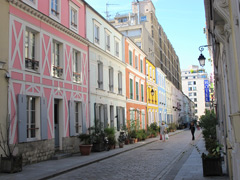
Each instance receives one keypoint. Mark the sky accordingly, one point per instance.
(182, 21)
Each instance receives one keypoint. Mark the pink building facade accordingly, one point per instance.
(49, 81)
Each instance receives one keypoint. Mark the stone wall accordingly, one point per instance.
(36, 151)
(70, 144)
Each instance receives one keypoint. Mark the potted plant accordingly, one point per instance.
(98, 136)
(86, 147)
(121, 139)
(212, 162)
(10, 163)
(110, 133)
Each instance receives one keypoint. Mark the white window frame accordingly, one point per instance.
(120, 82)
(111, 79)
(107, 40)
(77, 66)
(56, 13)
(33, 3)
(73, 24)
(100, 75)
(78, 117)
(37, 119)
(31, 62)
(57, 64)
(96, 33)
(136, 62)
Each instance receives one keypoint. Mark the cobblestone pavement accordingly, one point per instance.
(147, 162)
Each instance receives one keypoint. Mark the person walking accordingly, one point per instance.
(162, 131)
(192, 128)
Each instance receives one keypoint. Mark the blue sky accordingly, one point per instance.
(182, 21)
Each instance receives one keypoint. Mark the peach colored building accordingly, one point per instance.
(135, 84)
(48, 84)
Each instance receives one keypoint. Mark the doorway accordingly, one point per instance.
(56, 123)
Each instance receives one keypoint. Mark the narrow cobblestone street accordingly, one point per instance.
(147, 162)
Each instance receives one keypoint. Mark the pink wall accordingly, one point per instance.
(42, 84)
(44, 7)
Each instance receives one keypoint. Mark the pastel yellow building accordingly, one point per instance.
(152, 95)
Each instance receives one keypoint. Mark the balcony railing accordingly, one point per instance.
(76, 77)
(31, 64)
(57, 71)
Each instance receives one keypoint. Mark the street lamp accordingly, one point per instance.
(152, 92)
(201, 58)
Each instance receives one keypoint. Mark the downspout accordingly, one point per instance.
(89, 114)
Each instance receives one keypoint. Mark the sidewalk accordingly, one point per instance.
(50, 168)
(192, 168)
(189, 169)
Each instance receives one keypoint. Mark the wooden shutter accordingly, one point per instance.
(105, 116)
(123, 116)
(72, 117)
(44, 119)
(118, 118)
(22, 118)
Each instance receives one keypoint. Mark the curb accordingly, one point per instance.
(103, 158)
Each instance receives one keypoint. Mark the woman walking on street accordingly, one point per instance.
(192, 128)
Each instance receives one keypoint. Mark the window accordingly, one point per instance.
(119, 83)
(142, 92)
(107, 41)
(194, 88)
(131, 88)
(186, 77)
(195, 105)
(143, 120)
(195, 94)
(194, 82)
(56, 60)
(117, 48)
(78, 117)
(195, 99)
(136, 62)
(141, 65)
(77, 69)
(96, 33)
(100, 75)
(190, 94)
(137, 93)
(153, 71)
(195, 110)
(130, 58)
(30, 50)
(190, 89)
(189, 82)
(55, 9)
(32, 126)
(111, 79)
(73, 16)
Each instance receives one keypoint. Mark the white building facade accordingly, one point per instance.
(193, 86)
(107, 71)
